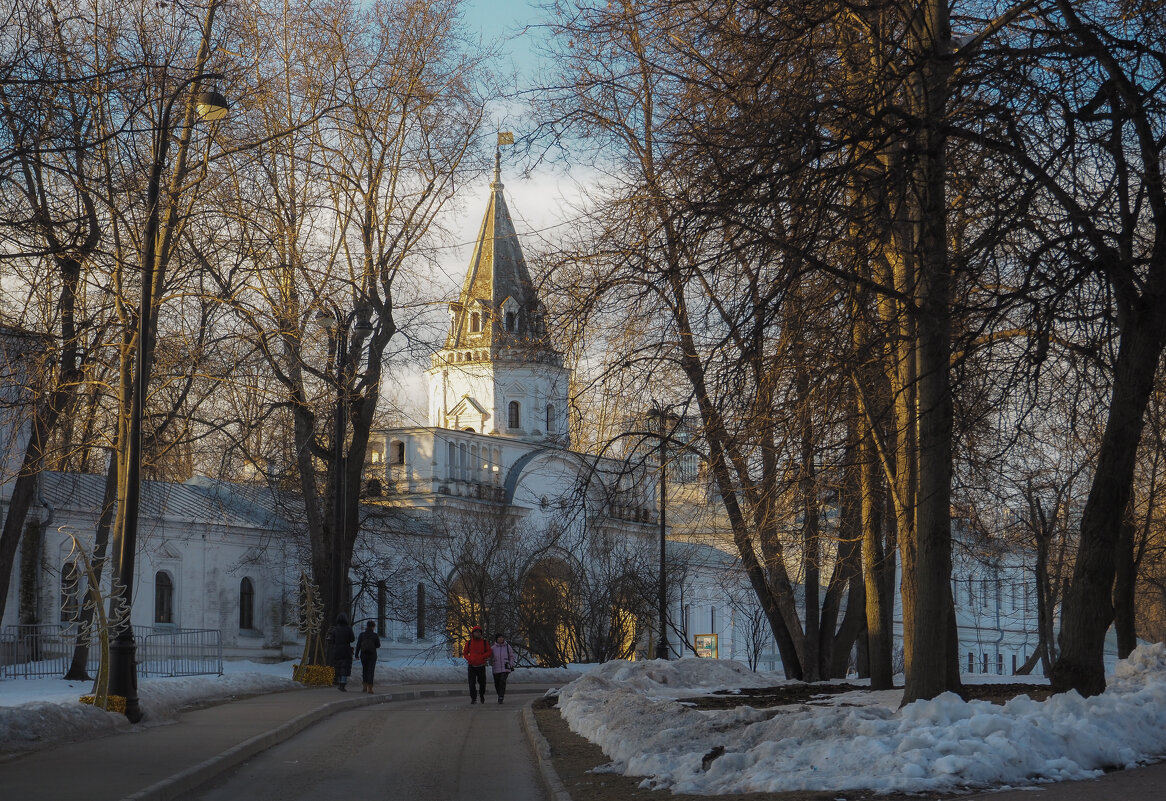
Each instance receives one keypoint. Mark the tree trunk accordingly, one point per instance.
(1125, 578)
(879, 633)
(927, 582)
(1087, 608)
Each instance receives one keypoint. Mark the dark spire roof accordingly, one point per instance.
(497, 285)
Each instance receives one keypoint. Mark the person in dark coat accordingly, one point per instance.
(366, 650)
(340, 639)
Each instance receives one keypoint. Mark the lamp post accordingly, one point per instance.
(123, 679)
(662, 644)
(360, 331)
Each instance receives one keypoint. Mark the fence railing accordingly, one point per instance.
(182, 652)
(39, 651)
(45, 651)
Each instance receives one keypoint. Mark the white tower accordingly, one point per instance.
(497, 374)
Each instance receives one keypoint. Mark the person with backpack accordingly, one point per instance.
(366, 648)
(477, 654)
(502, 660)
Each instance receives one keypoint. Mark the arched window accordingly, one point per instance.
(163, 598)
(511, 321)
(550, 418)
(246, 604)
(475, 323)
(513, 416)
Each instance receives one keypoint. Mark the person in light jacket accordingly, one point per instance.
(477, 654)
(502, 659)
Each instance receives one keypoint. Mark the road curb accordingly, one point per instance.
(542, 755)
(192, 778)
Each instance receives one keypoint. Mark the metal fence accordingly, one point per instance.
(182, 652)
(45, 651)
(39, 651)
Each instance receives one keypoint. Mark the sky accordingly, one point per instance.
(639, 714)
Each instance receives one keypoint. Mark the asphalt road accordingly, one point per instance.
(433, 749)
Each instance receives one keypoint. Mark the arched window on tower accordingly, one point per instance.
(475, 323)
(513, 415)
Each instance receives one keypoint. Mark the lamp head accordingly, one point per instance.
(362, 329)
(211, 106)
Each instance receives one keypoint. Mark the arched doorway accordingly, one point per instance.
(548, 623)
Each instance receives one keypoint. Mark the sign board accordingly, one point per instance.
(705, 645)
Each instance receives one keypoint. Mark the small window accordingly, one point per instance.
(475, 323)
(396, 452)
(246, 604)
(550, 418)
(513, 415)
(511, 321)
(985, 663)
(971, 662)
(163, 598)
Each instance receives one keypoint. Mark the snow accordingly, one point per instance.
(641, 714)
(634, 713)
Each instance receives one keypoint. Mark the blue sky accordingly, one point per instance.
(500, 21)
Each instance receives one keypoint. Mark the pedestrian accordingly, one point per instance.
(477, 654)
(366, 649)
(340, 639)
(502, 661)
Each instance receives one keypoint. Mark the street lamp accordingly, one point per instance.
(360, 331)
(123, 678)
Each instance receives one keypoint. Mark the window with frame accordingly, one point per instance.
(475, 323)
(551, 418)
(511, 321)
(163, 598)
(514, 415)
(246, 604)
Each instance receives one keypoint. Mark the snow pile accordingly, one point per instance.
(630, 710)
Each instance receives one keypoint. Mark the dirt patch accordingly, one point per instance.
(576, 759)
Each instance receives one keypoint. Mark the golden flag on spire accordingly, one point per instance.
(505, 138)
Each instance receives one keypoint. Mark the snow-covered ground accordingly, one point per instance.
(861, 740)
(636, 713)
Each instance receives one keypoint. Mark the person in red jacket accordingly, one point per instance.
(477, 654)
